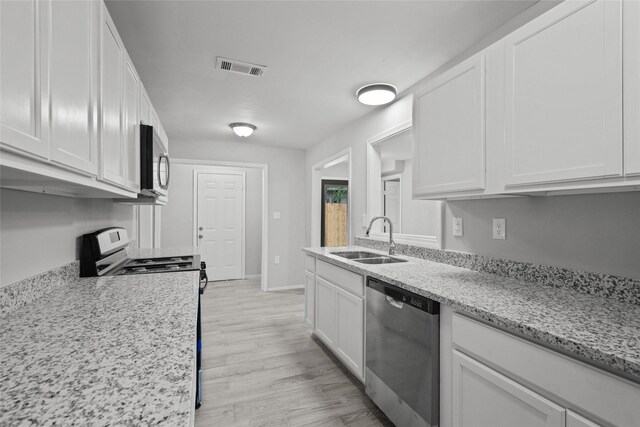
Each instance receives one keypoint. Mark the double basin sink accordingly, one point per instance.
(368, 257)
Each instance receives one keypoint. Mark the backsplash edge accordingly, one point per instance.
(21, 293)
(620, 288)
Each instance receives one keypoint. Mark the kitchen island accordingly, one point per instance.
(116, 350)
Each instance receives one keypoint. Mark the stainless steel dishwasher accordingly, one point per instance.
(403, 356)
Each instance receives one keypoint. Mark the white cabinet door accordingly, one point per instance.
(145, 106)
(449, 123)
(575, 420)
(112, 155)
(73, 40)
(631, 83)
(564, 95)
(484, 398)
(310, 299)
(23, 76)
(325, 311)
(349, 337)
(131, 125)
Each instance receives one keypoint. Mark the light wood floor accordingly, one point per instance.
(263, 368)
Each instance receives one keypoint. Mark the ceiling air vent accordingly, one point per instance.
(239, 67)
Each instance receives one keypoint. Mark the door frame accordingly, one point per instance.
(316, 191)
(222, 171)
(392, 177)
(331, 181)
(264, 168)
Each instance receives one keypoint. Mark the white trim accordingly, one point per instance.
(286, 288)
(393, 177)
(222, 171)
(265, 205)
(374, 184)
(316, 190)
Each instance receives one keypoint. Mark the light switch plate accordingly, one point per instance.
(499, 229)
(457, 227)
(276, 215)
(276, 260)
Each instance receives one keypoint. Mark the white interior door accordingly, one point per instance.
(220, 224)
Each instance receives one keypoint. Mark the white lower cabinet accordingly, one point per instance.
(310, 299)
(325, 311)
(483, 397)
(500, 379)
(339, 314)
(349, 339)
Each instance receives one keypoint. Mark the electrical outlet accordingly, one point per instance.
(276, 260)
(499, 229)
(457, 227)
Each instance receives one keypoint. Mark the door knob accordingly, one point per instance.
(199, 236)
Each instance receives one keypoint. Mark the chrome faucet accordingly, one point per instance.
(392, 244)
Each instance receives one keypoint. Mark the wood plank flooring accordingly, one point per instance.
(262, 367)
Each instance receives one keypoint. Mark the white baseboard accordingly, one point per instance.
(285, 288)
(252, 276)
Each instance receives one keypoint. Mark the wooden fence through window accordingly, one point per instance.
(335, 226)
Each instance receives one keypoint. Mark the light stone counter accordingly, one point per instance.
(116, 350)
(602, 331)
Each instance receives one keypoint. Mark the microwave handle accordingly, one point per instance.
(165, 186)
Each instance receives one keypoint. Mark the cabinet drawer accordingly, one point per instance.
(345, 279)
(310, 263)
(612, 398)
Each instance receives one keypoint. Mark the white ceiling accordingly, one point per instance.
(318, 53)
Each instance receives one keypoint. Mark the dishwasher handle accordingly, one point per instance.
(394, 302)
(398, 297)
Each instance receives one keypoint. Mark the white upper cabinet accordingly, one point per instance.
(631, 84)
(119, 110)
(23, 76)
(145, 106)
(73, 44)
(449, 126)
(113, 160)
(564, 95)
(131, 124)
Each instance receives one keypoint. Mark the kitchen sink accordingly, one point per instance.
(356, 254)
(380, 260)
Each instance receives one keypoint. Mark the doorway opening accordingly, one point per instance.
(334, 212)
(331, 200)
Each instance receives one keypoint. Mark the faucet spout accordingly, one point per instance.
(392, 244)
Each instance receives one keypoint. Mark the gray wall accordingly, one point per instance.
(177, 215)
(39, 232)
(595, 232)
(286, 195)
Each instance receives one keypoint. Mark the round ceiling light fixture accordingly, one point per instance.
(242, 129)
(376, 94)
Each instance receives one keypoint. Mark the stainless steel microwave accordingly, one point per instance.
(155, 168)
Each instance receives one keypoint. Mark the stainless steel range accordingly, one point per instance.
(105, 253)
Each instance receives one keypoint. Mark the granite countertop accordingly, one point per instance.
(602, 331)
(117, 350)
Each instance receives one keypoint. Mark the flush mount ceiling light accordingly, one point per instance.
(376, 94)
(242, 129)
